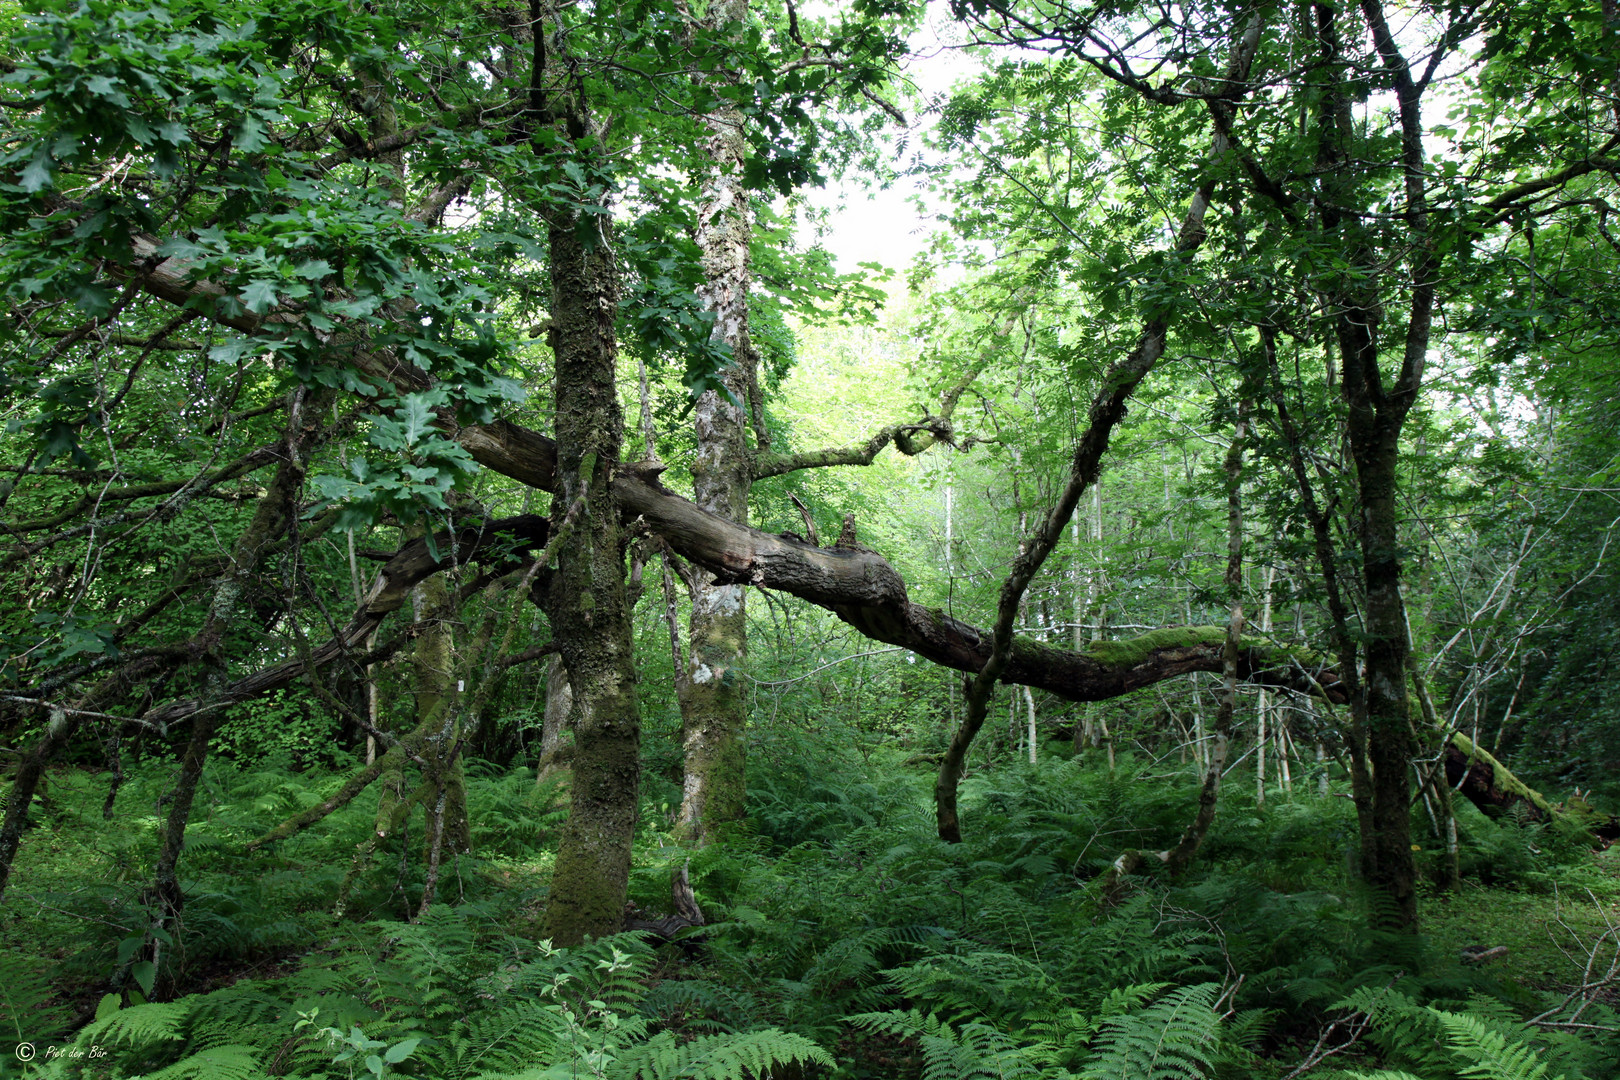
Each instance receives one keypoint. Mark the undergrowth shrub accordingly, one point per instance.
(844, 937)
(283, 725)
(451, 998)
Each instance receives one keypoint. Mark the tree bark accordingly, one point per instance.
(713, 709)
(586, 601)
(432, 675)
(1491, 786)
(1375, 416)
(557, 721)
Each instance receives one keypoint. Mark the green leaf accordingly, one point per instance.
(250, 135)
(36, 176)
(259, 297)
(145, 975)
(230, 351)
(400, 1051)
(94, 300)
(417, 415)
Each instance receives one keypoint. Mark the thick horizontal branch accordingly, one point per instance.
(857, 585)
(862, 589)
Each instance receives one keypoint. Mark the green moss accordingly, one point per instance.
(1132, 651)
(1129, 652)
(1501, 776)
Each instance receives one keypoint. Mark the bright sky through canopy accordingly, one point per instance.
(883, 225)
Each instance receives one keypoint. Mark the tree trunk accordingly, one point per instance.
(558, 720)
(432, 672)
(1260, 712)
(713, 708)
(586, 602)
(1491, 786)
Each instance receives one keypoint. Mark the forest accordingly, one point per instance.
(489, 592)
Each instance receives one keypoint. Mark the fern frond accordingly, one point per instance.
(970, 1052)
(140, 1025)
(742, 1056)
(1488, 1054)
(1122, 999)
(704, 1001)
(28, 1009)
(219, 1063)
(1172, 1039)
(503, 1037)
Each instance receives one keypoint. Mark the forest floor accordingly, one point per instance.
(1547, 931)
(839, 919)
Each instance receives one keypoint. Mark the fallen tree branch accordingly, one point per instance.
(856, 584)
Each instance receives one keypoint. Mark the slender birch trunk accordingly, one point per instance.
(713, 709)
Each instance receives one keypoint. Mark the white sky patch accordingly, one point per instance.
(868, 223)
(883, 225)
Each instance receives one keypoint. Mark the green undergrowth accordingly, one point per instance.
(846, 939)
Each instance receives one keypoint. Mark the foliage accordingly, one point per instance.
(872, 943)
(217, 213)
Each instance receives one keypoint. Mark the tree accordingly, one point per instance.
(275, 183)
(1344, 228)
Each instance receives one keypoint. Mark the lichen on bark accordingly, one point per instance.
(586, 600)
(713, 710)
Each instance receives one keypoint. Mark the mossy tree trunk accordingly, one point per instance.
(1494, 790)
(713, 707)
(433, 685)
(586, 603)
(585, 599)
(1376, 411)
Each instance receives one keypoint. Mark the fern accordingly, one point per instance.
(717, 1057)
(1482, 1044)
(139, 1025)
(966, 1052)
(701, 1001)
(218, 1063)
(28, 1010)
(968, 984)
(1489, 1055)
(500, 1038)
(1172, 1039)
(1406, 1031)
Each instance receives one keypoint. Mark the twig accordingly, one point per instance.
(824, 667)
(1355, 1024)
